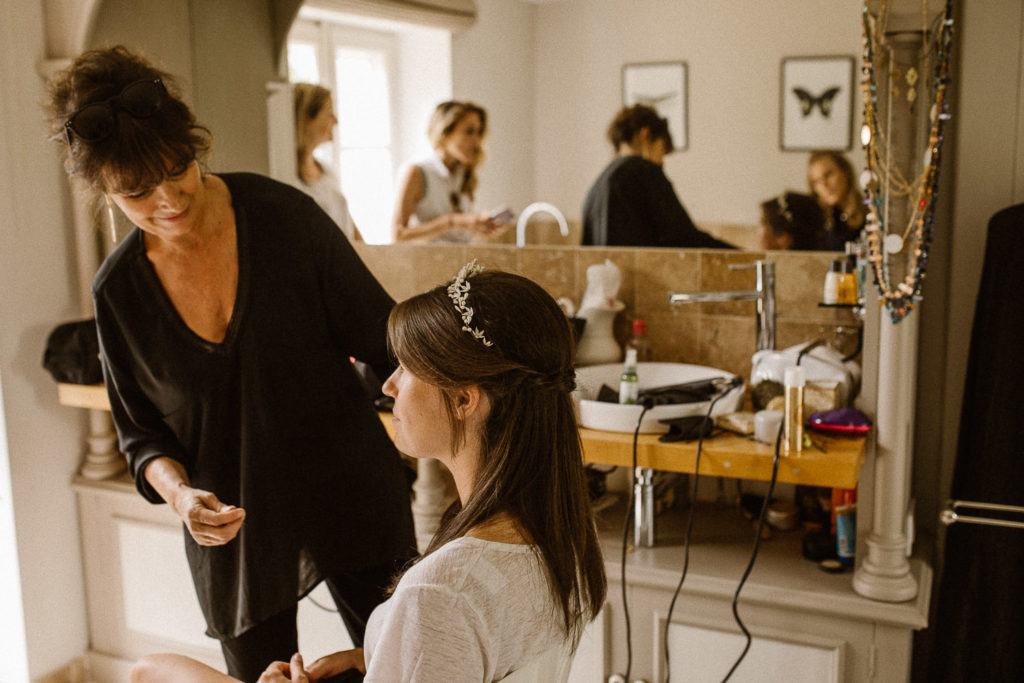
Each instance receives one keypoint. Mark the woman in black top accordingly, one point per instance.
(227, 320)
(632, 203)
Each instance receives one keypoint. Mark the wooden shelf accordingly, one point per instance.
(83, 396)
(833, 461)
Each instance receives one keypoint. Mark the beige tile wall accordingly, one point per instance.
(717, 334)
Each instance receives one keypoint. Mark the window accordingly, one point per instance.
(357, 66)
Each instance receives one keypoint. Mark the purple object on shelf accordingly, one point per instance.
(845, 420)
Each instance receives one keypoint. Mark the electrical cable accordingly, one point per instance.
(760, 528)
(753, 555)
(647, 404)
(689, 529)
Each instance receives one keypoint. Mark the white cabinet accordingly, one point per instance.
(806, 625)
(139, 589)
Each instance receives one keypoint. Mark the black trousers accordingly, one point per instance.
(356, 594)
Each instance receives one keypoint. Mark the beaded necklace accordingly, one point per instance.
(901, 298)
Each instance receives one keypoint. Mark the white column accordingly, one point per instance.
(433, 493)
(885, 572)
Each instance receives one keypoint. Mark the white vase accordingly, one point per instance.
(597, 344)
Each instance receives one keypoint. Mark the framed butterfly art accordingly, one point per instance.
(663, 86)
(816, 103)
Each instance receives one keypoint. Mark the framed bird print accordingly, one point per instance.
(661, 85)
(816, 103)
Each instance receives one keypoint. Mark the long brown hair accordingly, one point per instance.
(140, 151)
(532, 462)
(308, 99)
(443, 121)
(852, 205)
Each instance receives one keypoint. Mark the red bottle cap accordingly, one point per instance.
(639, 327)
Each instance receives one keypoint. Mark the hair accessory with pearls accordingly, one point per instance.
(458, 292)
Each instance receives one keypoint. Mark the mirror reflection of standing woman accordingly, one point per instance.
(314, 126)
(226, 321)
(632, 203)
(831, 179)
(435, 196)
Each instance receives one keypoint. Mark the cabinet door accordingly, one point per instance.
(700, 654)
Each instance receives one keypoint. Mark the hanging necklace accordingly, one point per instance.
(901, 297)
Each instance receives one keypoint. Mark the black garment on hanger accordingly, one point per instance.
(979, 629)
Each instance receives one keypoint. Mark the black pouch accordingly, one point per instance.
(688, 428)
(72, 353)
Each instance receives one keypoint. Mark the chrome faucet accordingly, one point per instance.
(538, 207)
(763, 294)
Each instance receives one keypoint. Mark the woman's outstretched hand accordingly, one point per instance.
(210, 521)
(286, 672)
(334, 664)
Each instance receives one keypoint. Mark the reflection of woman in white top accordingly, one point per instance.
(314, 125)
(515, 572)
(435, 196)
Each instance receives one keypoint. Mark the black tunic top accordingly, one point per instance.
(632, 204)
(272, 419)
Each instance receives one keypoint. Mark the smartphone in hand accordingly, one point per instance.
(501, 215)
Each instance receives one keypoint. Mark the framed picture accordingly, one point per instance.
(816, 103)
(661, 85)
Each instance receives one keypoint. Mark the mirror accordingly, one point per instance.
(550, 76)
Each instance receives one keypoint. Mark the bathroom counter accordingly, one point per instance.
(833, 461)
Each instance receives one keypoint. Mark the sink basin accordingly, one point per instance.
(612, 417)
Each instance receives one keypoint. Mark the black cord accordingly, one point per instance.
(625, 540)
(686, 542)
(754, 553)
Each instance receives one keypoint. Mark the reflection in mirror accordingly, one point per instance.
(550, 77)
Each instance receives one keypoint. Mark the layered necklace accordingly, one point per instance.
(900, 297)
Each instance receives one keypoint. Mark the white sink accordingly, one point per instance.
(612, 417)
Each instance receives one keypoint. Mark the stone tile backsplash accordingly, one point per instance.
(715, 334)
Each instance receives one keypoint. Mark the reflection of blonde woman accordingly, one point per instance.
(435, 196)
(314, 125)
(830, 178)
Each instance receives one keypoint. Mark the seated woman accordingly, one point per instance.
(632, 203)
(314, 125)
(830, 178)
(515, 571)
(792, 221)
(435, 196)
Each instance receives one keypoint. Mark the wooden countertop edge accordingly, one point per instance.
(835, 461)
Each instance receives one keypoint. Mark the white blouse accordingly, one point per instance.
(474, 611)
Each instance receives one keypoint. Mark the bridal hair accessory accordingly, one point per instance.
(784, 208)
(458, 292)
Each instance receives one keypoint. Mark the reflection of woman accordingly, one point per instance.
(435, 196)
(515, 572)
(226, 321)
(314, 125)
(830, 178)
(792, 221)
(632, 203)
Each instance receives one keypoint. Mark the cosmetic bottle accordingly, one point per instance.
(629, 389)
(639, 341)
(793, 413)
(830, 295)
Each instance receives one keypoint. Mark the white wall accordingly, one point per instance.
(492, 65)
(733, 50)
(43, 440)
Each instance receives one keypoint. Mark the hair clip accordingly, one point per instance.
(458, 292)
(784, 208)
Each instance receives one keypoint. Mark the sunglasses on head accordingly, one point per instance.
(96, 121)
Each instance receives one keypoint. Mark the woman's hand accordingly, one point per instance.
(480, 224)
(286, 672)
(210, 521)
(332, 665)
